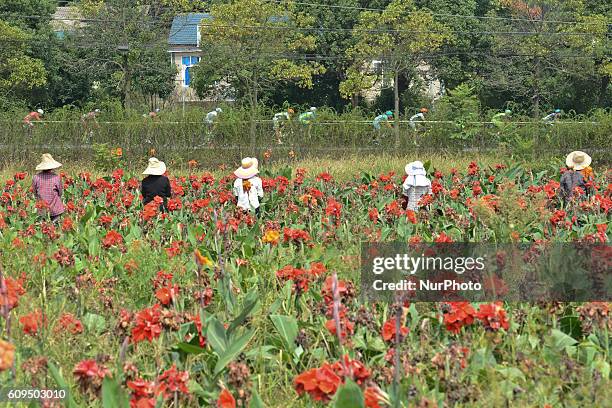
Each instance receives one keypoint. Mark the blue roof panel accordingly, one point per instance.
(184, 30)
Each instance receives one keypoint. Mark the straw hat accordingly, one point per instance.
(155, 168)
(248, 169)
(48, 163)
(578, 160)
(415, 169)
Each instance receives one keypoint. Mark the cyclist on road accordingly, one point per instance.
(279, 122)
(418, 116)
(90, 122)
(27, 121)
(552, 117)
(378, 120)
(501, 118)
(307, 118)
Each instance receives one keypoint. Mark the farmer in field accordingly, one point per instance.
(418, 117)
(248, 187)
(307, 118)
(415, 186)
(279, 122)
(156, 184)
(47, 188)
(500, 119)
(551, 117)
(579, 175)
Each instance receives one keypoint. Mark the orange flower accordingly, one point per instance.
(7, 355)
(192, 163)
(117, 152)
(388, 330)
(202, 260)
(246, 186)
(271, 237)
(32, 322)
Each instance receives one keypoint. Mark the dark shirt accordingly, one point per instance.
(569, 181)
(153, 186)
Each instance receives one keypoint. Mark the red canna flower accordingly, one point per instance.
(388, 330)
(443, 238)
(372, 397)
(460, 314)
(147, 325)
(10, 292)
(411, 216)
(32, 322)
(493, 316)
(226, 399)
(373, 214)
(112, 238)
(167, 294)
(326, 177)
(68, 322)
(173, 380)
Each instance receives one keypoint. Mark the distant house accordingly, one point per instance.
(185, 52)
(65, 20)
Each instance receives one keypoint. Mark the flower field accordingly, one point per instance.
(206, 306)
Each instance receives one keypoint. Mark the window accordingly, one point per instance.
(188, 62)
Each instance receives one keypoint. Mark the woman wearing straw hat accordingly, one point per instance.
(579, 173)
(416, 185)
(156, 184)
(248, 188)
(47, 188)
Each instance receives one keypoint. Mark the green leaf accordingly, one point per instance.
(349, 396)
(250, 302)
(571, 326)
(94, 323)
(561, 340)
(190, 348)
(288, 329)
(216, 335)
(233, 350)
(113, 396)
(256, 401)
(88, 214)
(61, 383)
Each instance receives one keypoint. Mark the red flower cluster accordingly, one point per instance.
(68, 322)
(295, 235)
(112, 238)
(301, 277)
(10, 292)
(322, 383)
(389, 330)
(147, 325)
(167, 294)
(493, 316)
(32, 322)
(460, 314)
(89, 374)
(145, 393)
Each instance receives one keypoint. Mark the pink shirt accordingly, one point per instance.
(48, 187)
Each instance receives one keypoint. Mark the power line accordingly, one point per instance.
(334, 6)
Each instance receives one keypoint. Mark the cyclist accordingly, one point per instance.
(307, 118)
(418, 116)
(378, 120)
(27, 121)
(551, 117)
(279, 122)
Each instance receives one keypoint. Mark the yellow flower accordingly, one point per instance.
(7, 355)
(271, 237)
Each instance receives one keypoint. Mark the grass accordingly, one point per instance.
(342, 168)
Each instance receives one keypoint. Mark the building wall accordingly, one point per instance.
(183, 61)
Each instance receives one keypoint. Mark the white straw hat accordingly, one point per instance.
(155, 168)
(248, 169)
(578, 160)
(415, 169)
(48, 163)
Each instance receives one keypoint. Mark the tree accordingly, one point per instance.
(400, 36)
(19, 72)
(547, 54)
(123, 47)
(251, 44)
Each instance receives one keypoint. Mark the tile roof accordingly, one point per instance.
(184, 30)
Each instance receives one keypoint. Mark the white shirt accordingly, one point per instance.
(415, 187)
(250, 200)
